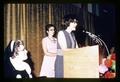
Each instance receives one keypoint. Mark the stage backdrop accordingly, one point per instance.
(27, 21)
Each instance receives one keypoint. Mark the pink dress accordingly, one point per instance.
(48, 64)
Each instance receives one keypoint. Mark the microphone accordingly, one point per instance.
(93, 36)
(90, 34)
(97, 39)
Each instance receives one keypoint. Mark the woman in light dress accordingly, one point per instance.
(49, 45)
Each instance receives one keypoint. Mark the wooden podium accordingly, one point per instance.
(81, 62)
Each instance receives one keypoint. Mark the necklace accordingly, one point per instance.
(52, 39)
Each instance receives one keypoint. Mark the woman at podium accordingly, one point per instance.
(66, 39)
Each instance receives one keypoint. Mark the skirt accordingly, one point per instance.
(48, 67)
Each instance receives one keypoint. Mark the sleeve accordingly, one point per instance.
(62, 40)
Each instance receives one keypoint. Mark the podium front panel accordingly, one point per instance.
(81, 62)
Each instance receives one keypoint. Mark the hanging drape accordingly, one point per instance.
(27, 21)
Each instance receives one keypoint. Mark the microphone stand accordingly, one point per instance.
(98, 40)
(104, 45)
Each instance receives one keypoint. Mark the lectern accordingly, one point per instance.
(81, 62)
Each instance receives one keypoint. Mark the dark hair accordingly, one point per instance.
(47, 28)
(67, 23)
(69, 18)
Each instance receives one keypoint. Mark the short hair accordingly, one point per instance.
(47, 28)
(70, 18)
